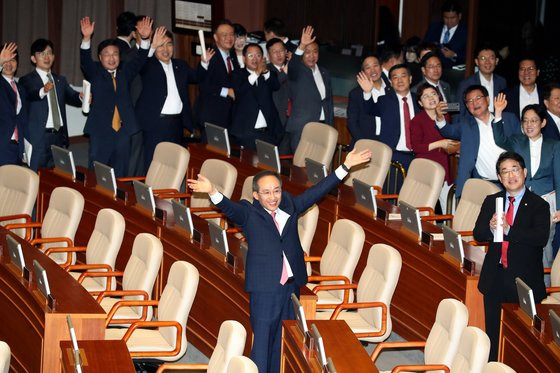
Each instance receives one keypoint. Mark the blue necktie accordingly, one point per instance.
(446, 37)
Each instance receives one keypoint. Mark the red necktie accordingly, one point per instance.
(284, 275)
(229, 66)
(14, 87)
(406, 114)
(509, 220)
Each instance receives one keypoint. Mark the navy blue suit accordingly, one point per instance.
(551, 129)
(107, 145)
(500, 85)
(38, 115)
(249, 99)
(458, 43)
(11, 153)
(466, 130)
(512, 96)
(269, 300)
(360, 124)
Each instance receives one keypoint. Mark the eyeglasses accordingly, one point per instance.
(533, 121)
(426, 96)
(44, 54)
(251, 55)
(473, 100)
(268, 193)
(490, 58)
(529, 69)
(513, 171)
(433, 67)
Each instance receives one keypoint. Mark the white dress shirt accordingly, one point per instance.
(253, 80)
(451, 33)
(488, 151)
(173, 104)
(42, 94)
(535, 147)
(401, 144)
(526, 98)
(489, 85)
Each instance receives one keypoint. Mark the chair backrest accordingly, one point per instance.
(342, 252)
(5, 356)
(378, 282)
(222, 174)
(231, 342)
(555, 277)
(247, 189)
(442, 342)
(318, 142)
(242, 364)
(495, 367)
(176, 301)
(18, 192)
(168, 167)
(373, 172)
(105, 240)
(422, 184)
(473, 351)
(307, 223)
(62, 218)
(142, 267)
(474, 193)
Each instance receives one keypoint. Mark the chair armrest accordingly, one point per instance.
(109, 274)
(118, 305)
(165, 190)
(16, 216)
(27, 226)
(312, 258)
(553, 289)
(129, 303)
(347, 306)
(547, 270)
(466, 233)
(387, 196)
(437, 217)
(425, 208)
(82, 267)
(38, 241)
(205, 209)
(346, 287)
(477, 243)
(155, 324)
(212, 216)
(69, 250)
(378, 189)
(131, 178)
(288, 156)
(420, 368)
(173, 195)
(167, 366)
(234, 230)
(121, 293)
(390, 345)
(328, 278)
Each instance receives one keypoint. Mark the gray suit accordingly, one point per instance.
(306, 100)
(445, 87)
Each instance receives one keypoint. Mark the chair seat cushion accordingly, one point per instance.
(123, 312)
(355, 322)
(324, 297)
(89, 283)
(141, 340)
(550, 300)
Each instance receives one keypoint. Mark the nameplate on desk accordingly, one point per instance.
(160, 215)
(538, 324)
(196, 236)
(51, 302)
(386, 216)
(122, 195)
(231, 259)
(469, 266)
(27, 274)
(80, 177)
(429, 237)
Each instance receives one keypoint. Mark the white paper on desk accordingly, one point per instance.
(28, 149)
(87, 96)
(499, 231)
(550, 197)
(202, 44)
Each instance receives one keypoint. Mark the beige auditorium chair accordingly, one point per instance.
(231, 343)
(59, 223)
(421, 186)
(18, 192)
(168, 341)
(375, 171)
(247, 189)
(554, 290)
(372, 321)
(338, 262)
(167, 170)
(5, 356)
(443, 341)
(318, 142)
(138, 281)
(242, 364)
(495, 367)
(307, 223)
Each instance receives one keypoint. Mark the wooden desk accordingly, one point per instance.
(32, 330)
(98, 356)
(524, 349)
(340, 343)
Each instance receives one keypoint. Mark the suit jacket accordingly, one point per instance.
(264, 257)
(465, 129)
(445, 87)
(500, 85)
(8, 118)
(547, 177)
(527, 237)
(458, 43)
(282, 95)
(154, 92)
(306, 100)
(127, 53)
(550, 131)
(249, 99)
(360, 124)
(387, 108)
(39, 107)
(104, 97)
(512, 95)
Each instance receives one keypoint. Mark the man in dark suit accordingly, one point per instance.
(254, 115)
(526, 227)
(393, 109)
(450, 34)
(275, 28)
(431, 73)
(164, 109)
(310, 88)
(13, 108)
(389, 57)
(486, 60)
(216, 95)
(126, 33)
(360, 124)
(526, 92)
(112, 121)
(551, 99)
(274, 267)
(47, 94)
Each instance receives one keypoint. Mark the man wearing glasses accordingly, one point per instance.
(526, 223)
(479, 152)
(526, 92)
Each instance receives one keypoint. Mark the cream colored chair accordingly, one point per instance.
(307, 223)
(375, 171)
(18, 192)
(167, 169)
(168, 341)
(247, 189)
(495, 367)
(443, 341)
(372, 322)
(5, 356)
(554, 289)
(421, 186)
(231, 343)
(338, 262)
(242, 364)
(318, 142)
(59, 223)
(138, 281)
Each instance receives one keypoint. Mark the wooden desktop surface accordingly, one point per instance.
(32, 330)
(109, 356)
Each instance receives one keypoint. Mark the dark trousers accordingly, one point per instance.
(247, 141)
(169, 129)
(112, 150)
(41, 155)
(268, 309)
(9, 154)
(136, 164)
